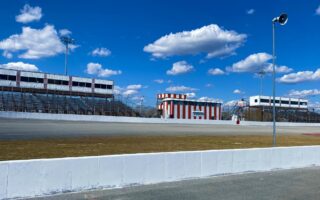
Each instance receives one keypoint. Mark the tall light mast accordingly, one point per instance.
(66, 41)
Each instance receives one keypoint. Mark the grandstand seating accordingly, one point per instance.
(54, 103)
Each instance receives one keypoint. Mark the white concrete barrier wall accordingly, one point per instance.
(29, 178)
(99, 118)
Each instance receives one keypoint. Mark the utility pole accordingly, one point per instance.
(261, 75)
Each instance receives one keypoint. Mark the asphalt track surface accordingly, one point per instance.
(295, 184)
(19, 129)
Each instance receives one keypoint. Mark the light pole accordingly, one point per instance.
(66, 41)
(261, 75)
(282, 20)
(141, 102)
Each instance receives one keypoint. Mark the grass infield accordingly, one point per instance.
(92, 146)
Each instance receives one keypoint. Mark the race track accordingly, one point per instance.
(18, 129)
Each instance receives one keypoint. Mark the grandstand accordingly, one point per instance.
(49, 93)
(259, 108)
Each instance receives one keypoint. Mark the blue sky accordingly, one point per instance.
(148, 47)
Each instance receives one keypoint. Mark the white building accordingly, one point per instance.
(16, 80)
(281, 102)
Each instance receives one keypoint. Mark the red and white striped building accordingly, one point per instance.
(177, 106)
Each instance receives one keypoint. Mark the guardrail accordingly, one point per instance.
(30, 178)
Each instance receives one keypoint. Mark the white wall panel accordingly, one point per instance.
(106, 82)
(79, 79)
(81, 89)
(32, 85)
(8, 72)
(32, 74)
(3, 180)
(58, 87)
(25, 178)
(103, 91)
(155, 173)
(192, 164)
(135, 167)
(8, 83)
(58, 77)
(111, 171)
(175, 166)
(29, 178)
(209, 163)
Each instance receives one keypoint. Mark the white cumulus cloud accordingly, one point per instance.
(252, 63)
(237, 91)
(65, 32)
(255, 63)
(279, 69)
(34, 43)
(129, 90)
(211, 40)
(209, 99)
(181, 88)
(20, 66)
(160, 81)
(134, 87)
(96, 69)
(216, 71)
(102, 52)
(29, 14)
(180, 67)
(303, 93)
(191, 95)
(302, 76)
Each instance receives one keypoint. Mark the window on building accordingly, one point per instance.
(102, 86)
(57, 82)
(24, 79)
(50, 81)
(7, 77)
(74, 83)
(31, 79)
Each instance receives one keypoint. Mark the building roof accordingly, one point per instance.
(282, 98)
(54, 74)
(192, 100)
